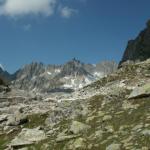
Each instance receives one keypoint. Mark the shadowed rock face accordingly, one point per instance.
(2, 82)
(138, 49)
(5, 75)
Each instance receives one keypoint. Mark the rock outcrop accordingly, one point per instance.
(28, 137)
(138, 49)
(138, 92)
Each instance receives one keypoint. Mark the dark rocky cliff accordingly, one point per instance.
(138, 49)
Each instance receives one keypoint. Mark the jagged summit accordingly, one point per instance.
(32, 69)
(72, 75)
(74, 68)
(138, 49)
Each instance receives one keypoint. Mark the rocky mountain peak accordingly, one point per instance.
(72, 75)
(73, 67)
(31, 70)
(74, 62)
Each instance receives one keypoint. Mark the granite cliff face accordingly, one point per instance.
(138, 49)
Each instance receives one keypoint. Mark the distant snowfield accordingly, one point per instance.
(57, 70)
(76, 82)
(99, 74)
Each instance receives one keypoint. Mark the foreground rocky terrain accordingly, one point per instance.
(113, 113)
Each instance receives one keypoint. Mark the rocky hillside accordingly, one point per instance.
(65, 78)
(110, 114)
(138, 49)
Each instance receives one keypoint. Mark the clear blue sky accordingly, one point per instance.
(90, 30)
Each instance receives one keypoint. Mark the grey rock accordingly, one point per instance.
(99, 134)
(77, 144)
(28, 137)
(65, 138)
(114, 147)
(17, 119)
(3, 118)
(139, 92)
(78, 127)
(146, 132)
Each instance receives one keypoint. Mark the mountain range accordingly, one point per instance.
(74, 74)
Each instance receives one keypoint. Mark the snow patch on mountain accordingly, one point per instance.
(2, 67)
(99, 74)
(49, 73)
(57, 70)
(71, 76)
(67, 78)
(68, 86)
(73, 81)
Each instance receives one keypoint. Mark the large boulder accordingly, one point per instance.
(78, 127)
(17, 119)
(146, 132)
(139, 92)
(28, 137)
(107, 118)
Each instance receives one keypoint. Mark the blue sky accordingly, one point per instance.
(55, 31)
